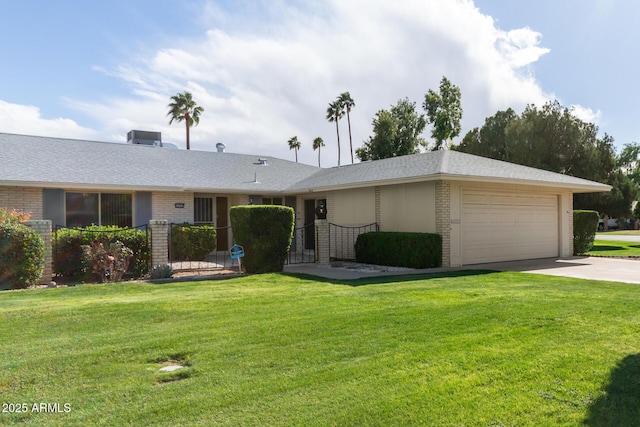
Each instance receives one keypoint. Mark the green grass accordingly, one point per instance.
(615, 248)
(458, 349)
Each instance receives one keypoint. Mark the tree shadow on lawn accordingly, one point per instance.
(381, 280)
(606, 248)
(620, 405)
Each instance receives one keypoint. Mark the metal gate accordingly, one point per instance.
(199, 259)
(342, 240)
(300, 251)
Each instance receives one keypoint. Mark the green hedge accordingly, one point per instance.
(265, 233)
(413, 250)
(69, 259)
(585, 225)
(22, 256)
(192, 242)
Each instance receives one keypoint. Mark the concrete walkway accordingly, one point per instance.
(591, 268)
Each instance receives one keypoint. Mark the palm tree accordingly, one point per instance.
(183, 107)
(294, 144)
(317, 144)
(334, 114)
(347, 104)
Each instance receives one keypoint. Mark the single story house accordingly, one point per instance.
(485, 210)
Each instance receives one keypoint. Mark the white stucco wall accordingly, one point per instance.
(352, 207)
(408, 207)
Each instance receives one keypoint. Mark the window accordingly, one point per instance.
(83, 209)
(272, 201)
(202, 210)
(115, 209)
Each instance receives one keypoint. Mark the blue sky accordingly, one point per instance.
(265, 71)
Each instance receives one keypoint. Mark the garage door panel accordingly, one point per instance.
(497, 226)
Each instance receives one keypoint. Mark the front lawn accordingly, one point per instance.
(472, 349)
(615, 248)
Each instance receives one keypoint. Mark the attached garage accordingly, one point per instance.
(485, 210)
(501, 226)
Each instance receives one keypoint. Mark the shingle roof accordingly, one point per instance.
(57, 162)
(442, 164)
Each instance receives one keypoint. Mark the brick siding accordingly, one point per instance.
(443, 219)
(27, 199)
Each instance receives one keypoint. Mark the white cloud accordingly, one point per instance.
(520, 47)
(261, 84)
(586, 114)
(27, 120)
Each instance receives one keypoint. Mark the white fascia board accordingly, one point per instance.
(587, 187)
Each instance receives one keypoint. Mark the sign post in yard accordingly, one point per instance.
(237, 252)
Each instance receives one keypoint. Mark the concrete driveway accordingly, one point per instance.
(591, 268)
(618, 237)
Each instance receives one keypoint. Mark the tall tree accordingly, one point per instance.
(295, 145)
(629, 161)
(554, 139)
(444, 112)
(347, 104)
(489, 140)
(396, 132)
(183, 108)
(334, 114)
(317, 144)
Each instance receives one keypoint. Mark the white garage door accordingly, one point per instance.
(497, 226)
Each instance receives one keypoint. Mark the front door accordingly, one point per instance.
(309, 224)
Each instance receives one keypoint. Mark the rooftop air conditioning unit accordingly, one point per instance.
(142, 137)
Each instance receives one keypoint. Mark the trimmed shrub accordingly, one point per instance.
(400, 249)
(192, 242)
(585, 225)
(22, 256)
(69, 257)
(265, 233)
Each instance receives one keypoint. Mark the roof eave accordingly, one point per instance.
(574, 187)
(119, 187)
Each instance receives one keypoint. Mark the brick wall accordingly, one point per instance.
(322, 241)
(443, 219)
(570, 210)
(163, 206)
(159, 242)
(26, 199)
(377, 196)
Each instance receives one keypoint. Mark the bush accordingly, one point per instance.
(22, 256)
(108, 260)
(161, 271)
(192, 242)
(265, 233)
(585, 224)
(413, 250)
(69, 258)
(13, 216)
